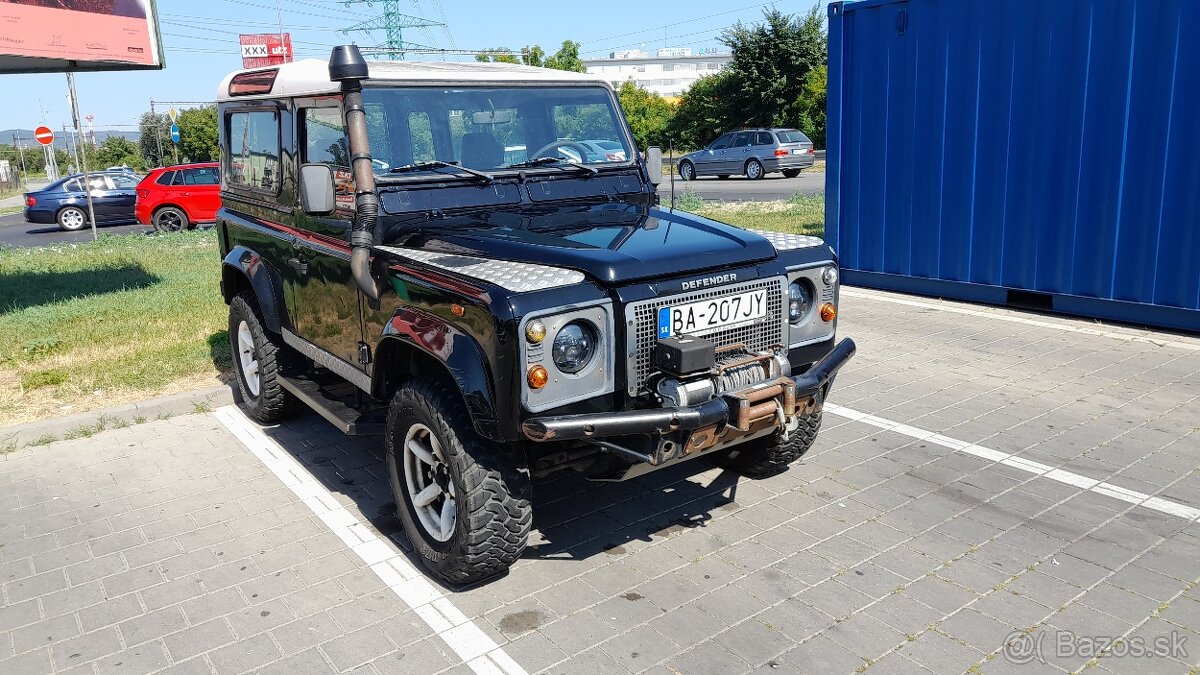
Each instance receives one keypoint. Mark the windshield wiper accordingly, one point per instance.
(439, 164)
(556, 162)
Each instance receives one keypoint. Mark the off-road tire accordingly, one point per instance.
(273, 403)
(770, 455)
(791, 173)
(492, 487)
(170, 219)
(754, 170)
(71, 219)
(687, 171)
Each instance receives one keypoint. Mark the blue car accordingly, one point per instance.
(64, 201)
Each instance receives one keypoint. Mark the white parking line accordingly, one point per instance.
(1099, 487)
(999, 316)
(460, 634)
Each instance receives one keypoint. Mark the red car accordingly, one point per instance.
(173, 198)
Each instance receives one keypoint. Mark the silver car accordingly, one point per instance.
(751, 152)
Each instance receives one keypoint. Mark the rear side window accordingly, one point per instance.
(792, 136)
(165, 178)
(254, 151)
(72, 185)
(763, 138)
(742, 140)
(204, 176)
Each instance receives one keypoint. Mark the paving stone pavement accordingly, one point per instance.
(169, 547)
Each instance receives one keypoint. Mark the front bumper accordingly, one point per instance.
(768, 404)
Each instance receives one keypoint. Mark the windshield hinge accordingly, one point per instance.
(364, 353)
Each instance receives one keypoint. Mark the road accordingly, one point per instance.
(14, 231)
(740, 189)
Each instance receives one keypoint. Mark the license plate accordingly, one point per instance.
(799, 152)
(706, 316)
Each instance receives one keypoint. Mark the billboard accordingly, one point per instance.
(41, 36)
(270, 49)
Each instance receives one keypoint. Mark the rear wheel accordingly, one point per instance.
(770, 455)
(791, 173)
(754, 169)
(72, 219)
(170, 219)
(463, 500)
(686, 170)
(260, 360)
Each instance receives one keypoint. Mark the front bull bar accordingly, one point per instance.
(662, 421)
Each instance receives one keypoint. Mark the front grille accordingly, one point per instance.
(642, 321)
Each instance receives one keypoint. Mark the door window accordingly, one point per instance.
(123, 181)
(205, 176)
(325, 137)
(722, 142)
(742, 140)
(763, 138)
(254, 151)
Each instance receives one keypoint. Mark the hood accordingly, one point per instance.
(612, 243)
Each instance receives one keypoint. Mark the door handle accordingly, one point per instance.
(301, 266)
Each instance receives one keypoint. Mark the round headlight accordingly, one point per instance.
(799, 301)
(830, 276)
(574, 346)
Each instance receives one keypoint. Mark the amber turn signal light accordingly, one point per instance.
(538, 377)
(828, 312)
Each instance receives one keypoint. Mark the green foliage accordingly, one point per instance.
(533, 56)
(567, 58)
(155, 140)
(118, 151)
(688, 200)
(198, 134)
(775, 78)
(496, 55)
(35, 159)
(648, 113)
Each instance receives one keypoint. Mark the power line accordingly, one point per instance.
(677, 23)
(393, 21)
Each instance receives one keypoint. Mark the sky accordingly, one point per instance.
(200, 43)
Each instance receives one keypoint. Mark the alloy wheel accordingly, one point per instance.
(427, 479)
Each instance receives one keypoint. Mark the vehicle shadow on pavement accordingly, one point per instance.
(22, 290)
(574, 518)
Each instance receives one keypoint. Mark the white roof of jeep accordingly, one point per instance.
(310, 77)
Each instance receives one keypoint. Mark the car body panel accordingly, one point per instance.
(193, 188)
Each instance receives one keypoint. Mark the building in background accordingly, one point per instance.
(669, 72)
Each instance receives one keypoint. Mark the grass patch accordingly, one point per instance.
(89, 325)
(801, 214)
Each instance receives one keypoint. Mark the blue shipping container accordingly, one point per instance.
(1028, 152)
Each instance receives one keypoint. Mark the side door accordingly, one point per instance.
(739, 152)
(122, 196)
(105, 199)
(324, 298)
(201, 193)
(710, 160)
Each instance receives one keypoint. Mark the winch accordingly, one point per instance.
(695, 370)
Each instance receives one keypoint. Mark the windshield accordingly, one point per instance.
(493, 128)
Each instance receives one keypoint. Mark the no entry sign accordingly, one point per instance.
(270, 49)
(43, 135)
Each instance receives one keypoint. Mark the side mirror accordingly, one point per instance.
(654, 164)
(316, 189)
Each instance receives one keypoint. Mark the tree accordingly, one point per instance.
(771, 61)
(117, 151)
(155, 139)
(648, 113)
(810, 107)
(496, 55)
(198, 134)
(567, 58)
(703, 111)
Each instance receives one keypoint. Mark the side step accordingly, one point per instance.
(336, 412)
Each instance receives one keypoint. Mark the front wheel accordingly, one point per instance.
(754, 169)
(768, 456)
(463, 500)
(791, 173)
(687, 171)
(72, 219)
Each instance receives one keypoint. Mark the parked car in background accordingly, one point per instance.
(65, 201)
(609, 150)
(751, 152)
(174, 198)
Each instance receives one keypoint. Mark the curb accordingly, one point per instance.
(89, 423)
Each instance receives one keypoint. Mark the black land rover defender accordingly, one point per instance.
(471, 260)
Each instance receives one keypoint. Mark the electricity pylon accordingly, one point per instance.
(393, 22)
